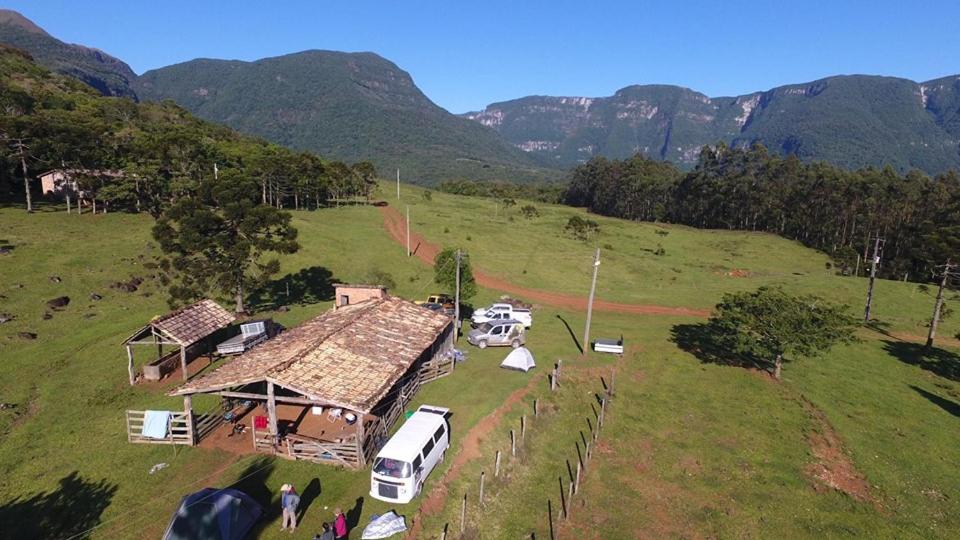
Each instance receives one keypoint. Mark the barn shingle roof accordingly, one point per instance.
(349, 357)
(190, 324)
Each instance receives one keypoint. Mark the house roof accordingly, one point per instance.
(349, 357)
(192, 323)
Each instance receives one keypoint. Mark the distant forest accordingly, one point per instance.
(823, 206)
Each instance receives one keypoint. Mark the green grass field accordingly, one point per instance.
(690, 448)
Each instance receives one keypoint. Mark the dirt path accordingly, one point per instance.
(833, 468)
(395, 225)
(469, 451)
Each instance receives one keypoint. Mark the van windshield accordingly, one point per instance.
(392, 467)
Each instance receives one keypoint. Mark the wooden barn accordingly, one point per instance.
(328, 390)
(189, 330)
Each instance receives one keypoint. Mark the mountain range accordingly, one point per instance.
(852, 121)
(360, 106)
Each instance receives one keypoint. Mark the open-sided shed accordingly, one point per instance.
(364, 360)
(183, 328)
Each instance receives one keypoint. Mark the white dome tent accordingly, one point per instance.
(520, 359)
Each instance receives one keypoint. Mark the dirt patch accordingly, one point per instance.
(833, 468)
(470, 450)
(395, 225)
(738, 272)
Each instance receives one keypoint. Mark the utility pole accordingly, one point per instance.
(20, 148)
(947, 269)
(456, 303)
(398, 183)
(873, 276)
(408, 230)
(593, 287)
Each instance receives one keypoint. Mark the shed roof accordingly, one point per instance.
(192, 323)
(349, 357)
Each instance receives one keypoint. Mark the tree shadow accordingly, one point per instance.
(68, 511)
(308, 286)
(880, 327)
(935, 360)
(573, 336)
(253, 482)
(711, 346)
(948, 405)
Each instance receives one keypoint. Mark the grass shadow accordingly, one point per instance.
(69, 511)
(308, 286)
(573, 336)
(948, 405)
(709, 345)
(935, 360)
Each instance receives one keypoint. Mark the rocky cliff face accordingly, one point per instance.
(850, 120)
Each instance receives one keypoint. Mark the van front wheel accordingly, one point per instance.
(419, 488)
(482, 344)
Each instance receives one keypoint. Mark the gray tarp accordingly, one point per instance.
(383, 526)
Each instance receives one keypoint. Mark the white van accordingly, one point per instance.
(410, 455)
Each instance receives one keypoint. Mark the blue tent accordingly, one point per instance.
(214, 514)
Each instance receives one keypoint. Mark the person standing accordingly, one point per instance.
(339, 525)
(289, 501)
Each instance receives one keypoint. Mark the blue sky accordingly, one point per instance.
(466, 54)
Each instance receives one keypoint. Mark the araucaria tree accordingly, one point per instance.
(772, 325)
(216, 240)
(445, 273)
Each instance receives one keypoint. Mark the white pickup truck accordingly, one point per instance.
(502, 312)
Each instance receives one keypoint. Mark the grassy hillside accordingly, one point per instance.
(348, 106)
(690, 448)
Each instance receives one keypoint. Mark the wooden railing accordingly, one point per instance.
(179, 432)
(206, 423)
(306, 448)
(434, 369)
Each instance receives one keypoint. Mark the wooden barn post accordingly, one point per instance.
(272, 411)
(183, 361)
(188, 410)
(130, 370)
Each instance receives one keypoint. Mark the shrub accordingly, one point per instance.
(581, 228)
(379, 277)
(427, 195)
(529, 211)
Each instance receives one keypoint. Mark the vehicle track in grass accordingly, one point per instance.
(469, 451)
(426, 251)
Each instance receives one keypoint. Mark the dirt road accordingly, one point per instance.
(395, 224)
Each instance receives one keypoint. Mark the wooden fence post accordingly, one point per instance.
(444, 535)
(603, 404)
(559, 368)
(523, 429)
(553, 379)
(463, 514)
(483, 475)
(496, 467)
(513, 444)
(535, 411)
(576, 481)
(587, 451)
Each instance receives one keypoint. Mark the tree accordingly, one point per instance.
(216, 240)
(445, 273)
(773, 325)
